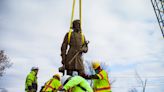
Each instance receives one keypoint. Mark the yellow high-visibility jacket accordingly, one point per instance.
(30, 80)
(102, 84)
(53, 85)
(78, 84)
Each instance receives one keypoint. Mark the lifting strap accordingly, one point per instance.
(72, 16)
(82, 37)
(73, 10)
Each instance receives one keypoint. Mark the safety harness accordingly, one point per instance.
(49, 85)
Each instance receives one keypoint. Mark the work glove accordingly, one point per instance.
(61, 69)
(29, 87)
(85, 76)
(35, 86)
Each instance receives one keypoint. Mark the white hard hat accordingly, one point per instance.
(34, 68)
(64, 79)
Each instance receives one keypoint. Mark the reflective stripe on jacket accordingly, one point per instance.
(78, 84)
(52, 85)
(102, 84)
(30, 80)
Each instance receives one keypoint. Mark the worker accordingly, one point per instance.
(72, 57)
(53, 85)
(101, 82)
(31, 80)
(76, 84)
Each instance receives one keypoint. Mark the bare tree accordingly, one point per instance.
(133, 90)
(141, 81)
(4, 62)
(3, 90)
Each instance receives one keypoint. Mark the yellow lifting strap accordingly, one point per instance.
(72, 16)
(82, 37)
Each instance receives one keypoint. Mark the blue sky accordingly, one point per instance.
(122, 33)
